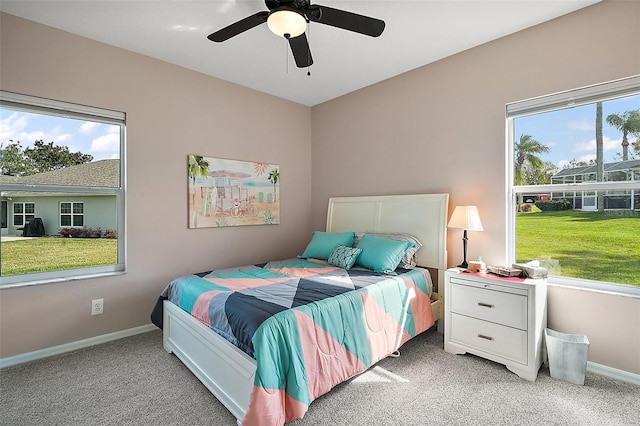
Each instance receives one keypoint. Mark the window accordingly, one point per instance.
(71, 214)
(22, 212)
(573, 185)
(61, 176)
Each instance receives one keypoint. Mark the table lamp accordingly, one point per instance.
(467, 218)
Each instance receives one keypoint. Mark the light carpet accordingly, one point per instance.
(133, 381)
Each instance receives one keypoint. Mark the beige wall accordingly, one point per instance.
(441, 128)
(171, 112)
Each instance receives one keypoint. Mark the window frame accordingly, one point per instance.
(554, 102)
(37, 105)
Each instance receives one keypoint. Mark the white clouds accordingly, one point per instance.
(16, 127)
(106, 143)
(612, 144)
(58, 136)
(586, 158)
(98, 139)
(11, 126)
(586, 150)
(584, 146)
(590, 146)
(582, 126)
(88, 127)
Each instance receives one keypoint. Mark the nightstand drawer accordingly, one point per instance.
(490, 305)
(495, 339)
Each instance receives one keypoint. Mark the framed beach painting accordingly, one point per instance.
(225, 192)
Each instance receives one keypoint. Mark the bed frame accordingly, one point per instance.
(228, 372)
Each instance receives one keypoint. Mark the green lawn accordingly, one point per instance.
(590, 245)
(54, 254)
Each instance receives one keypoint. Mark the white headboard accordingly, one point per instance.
(421, 215)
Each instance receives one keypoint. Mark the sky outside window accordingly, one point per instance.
(570, 133)
(102, 141)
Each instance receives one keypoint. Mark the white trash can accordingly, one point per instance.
(567, 355)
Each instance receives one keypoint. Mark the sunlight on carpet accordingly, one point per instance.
(378, 374)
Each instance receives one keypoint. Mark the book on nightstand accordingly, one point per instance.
(504, 271)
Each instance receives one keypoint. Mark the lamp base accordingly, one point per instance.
(464, 263)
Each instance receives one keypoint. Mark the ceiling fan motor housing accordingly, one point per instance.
(301, 5)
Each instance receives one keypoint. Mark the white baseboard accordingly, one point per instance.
(68, 347)
(613, 373)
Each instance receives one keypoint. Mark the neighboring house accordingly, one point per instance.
(619, 171)
(62, 210)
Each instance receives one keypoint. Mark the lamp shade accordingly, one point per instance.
(465, 217)
(286, 23)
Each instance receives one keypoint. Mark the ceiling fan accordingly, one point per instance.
(289, 18)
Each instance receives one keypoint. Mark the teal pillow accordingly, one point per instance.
(381, 254)
(344, 257)
(323, 243)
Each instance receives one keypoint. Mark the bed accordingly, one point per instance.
(254, 380)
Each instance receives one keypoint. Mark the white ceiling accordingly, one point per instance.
(417, 32)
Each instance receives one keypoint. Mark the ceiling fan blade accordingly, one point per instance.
(239, 27)
(301, 52)
(346, 20)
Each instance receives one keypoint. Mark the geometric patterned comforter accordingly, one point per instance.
(308, 325)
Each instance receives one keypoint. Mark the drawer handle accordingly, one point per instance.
(485, 305)
(482, 336)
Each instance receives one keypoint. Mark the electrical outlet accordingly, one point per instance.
(97, 306)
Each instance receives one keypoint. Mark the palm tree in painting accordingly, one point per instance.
(629, 124)
(274, 177)
(525, 153)
(198, 167)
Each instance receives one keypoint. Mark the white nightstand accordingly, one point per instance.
(501, 319)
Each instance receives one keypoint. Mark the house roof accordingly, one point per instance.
(101, 173)
(608, 167)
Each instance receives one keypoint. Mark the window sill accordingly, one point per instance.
(4, 286)
(596, 286)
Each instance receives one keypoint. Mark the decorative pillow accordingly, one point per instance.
(323, 243)
(409, 259)
(381, 254)
(344, 257)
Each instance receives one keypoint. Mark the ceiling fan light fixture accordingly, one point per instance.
(287, 23)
